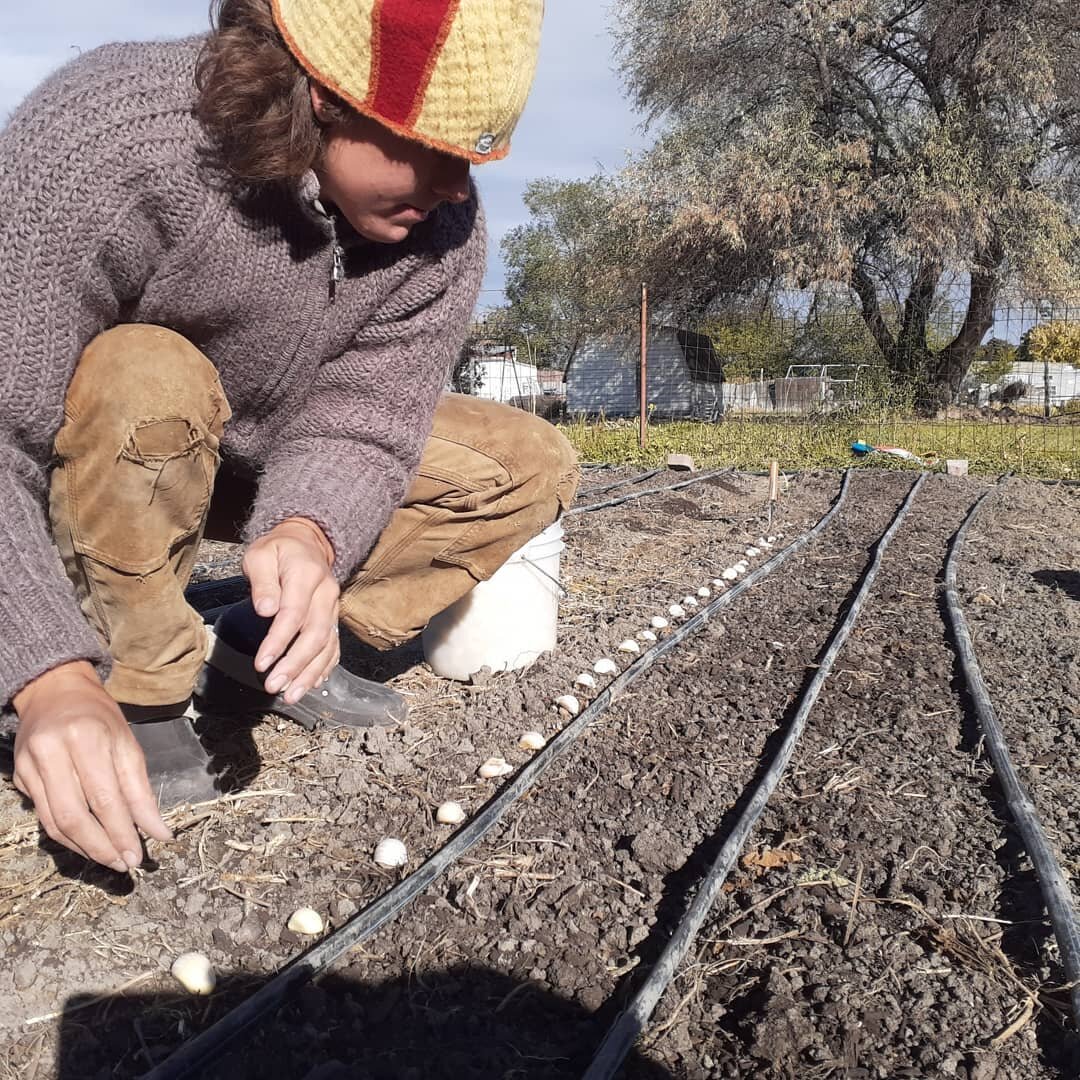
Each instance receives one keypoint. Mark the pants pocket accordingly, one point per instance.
(131, 512)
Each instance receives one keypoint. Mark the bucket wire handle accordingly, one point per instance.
(564, 592)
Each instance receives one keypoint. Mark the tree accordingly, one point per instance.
(900, 148)
(565, 276)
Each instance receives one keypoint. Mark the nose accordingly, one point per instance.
(450, 179)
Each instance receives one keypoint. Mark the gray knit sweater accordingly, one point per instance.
(108, 214)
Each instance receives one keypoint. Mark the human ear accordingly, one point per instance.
(321, 102)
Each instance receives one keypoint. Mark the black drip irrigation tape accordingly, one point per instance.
(641, 494)
(198, 595)
(620, 483)
(1052, 881)
(631, 1022)
(207, 1047)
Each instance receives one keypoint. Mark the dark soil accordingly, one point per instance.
(883, 922)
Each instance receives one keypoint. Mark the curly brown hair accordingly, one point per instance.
(254, 98)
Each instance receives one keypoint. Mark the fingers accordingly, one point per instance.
(72, 823)
(261, 568)
(313, 672)
(137, 792)
(335, 659)
(30, 784)
(305, 630)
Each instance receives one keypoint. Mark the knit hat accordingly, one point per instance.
(453, 74)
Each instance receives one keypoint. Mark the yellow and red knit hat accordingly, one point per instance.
(453, 74)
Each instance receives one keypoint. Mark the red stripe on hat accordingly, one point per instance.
(408, 37)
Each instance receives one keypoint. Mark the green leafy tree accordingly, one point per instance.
(898, 148)
(567, 269)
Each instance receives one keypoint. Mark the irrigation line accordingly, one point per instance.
(629, 1024)
(1052, 881)
(207, 1047)
(208, 588)
(641, 494)
(620, 483)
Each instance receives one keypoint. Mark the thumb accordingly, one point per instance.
(261, 567)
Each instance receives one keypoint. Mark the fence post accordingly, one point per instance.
(643, 433)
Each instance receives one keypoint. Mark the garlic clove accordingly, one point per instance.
(307, 920)
(730, 574)
(567, 702)
(647, 635)
(629, 646)
(450, 813)
(605, 667)
(658, 622)
(689, 601)
(194, 973)
(676, 612)
(533, 740)
(495, 767)
(719, 583)
(391, 853)
(704, 592)
(752, 552)
(586, 680)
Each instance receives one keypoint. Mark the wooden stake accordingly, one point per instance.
(643, 433)
(774, 488)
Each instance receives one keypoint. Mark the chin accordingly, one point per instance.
(384, 232)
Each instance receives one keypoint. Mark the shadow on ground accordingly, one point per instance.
(1066, 580)
(458, 1024)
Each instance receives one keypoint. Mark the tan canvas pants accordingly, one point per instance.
(137, 482)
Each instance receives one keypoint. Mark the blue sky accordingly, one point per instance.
(577, 121)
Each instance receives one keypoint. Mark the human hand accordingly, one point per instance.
(291, 581)
(76, 759)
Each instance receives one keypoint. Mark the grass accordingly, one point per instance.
(1044, 450)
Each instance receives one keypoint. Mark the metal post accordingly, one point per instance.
(643, 435)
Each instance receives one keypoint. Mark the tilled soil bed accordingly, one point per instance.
(882, 923)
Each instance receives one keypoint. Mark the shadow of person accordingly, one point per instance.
(359, 658)
(464, 1023)
(1068, 581)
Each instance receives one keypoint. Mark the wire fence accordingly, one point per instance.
(744, 390)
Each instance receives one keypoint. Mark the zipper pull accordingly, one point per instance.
(337, 270)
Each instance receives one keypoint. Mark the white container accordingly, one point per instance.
(505, 623)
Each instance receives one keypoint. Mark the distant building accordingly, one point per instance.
(685, 376)
(505, 379)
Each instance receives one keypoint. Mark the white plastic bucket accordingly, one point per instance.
(506, 622)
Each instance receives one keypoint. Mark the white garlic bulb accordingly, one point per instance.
(675, 611)
(586, 680)
(704, 592)
(629, 646)
(659, 622)
(569, 703)
(605, 667)
(752, 552)
(495, 767)
(307, 920)
(689, 602)
(719, 583)
(730, 574)
(533, 740)
(195, 973)
(647, 635)
(450, 813)
(391, 853)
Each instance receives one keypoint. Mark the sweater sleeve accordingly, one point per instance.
(78, 239)
(349, 474)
